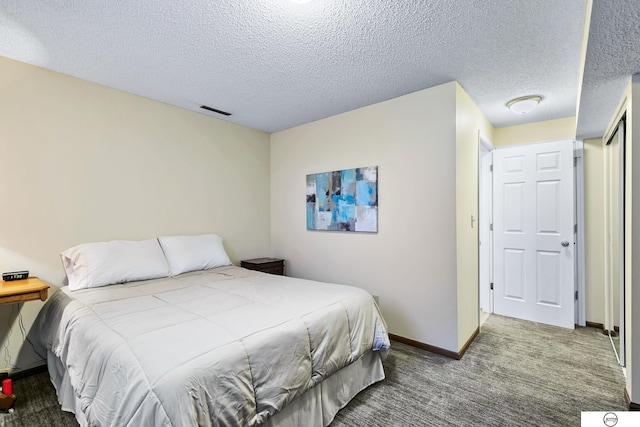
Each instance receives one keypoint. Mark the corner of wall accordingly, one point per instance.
(469, 123)
(411, 262)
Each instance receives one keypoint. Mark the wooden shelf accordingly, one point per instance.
(16, 291)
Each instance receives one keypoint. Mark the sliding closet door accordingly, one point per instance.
(614, 152)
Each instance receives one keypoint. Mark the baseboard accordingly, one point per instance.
(632, 406)
(433, 349)
(466, 345)
(601, 327)
(595, 325)
(25, 373)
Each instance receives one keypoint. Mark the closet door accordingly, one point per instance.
(614, 155)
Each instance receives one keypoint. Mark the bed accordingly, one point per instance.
(216, 346)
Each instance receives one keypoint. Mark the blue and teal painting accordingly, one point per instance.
(345, 200)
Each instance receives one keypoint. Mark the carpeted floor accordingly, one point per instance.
(516, 373)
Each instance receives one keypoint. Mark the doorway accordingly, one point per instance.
(530, 271)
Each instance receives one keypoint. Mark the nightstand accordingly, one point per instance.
(23, 290)
(266, 265)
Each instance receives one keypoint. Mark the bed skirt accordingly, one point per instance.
(314, 408)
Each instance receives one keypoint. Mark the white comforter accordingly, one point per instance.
(222, 347)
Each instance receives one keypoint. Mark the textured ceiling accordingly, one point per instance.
(275, 64)
(613, 55)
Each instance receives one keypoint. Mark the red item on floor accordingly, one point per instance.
(6, 386)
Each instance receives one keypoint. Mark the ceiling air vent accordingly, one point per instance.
(224, 113)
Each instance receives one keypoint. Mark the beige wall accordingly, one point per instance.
(535, 132)
(82, 162)
(469, 120)
(594, 230)
(101, 164)
(411, 262)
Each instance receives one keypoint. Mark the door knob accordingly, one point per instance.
(564, 243)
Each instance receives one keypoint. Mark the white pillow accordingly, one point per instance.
(91, 265)
(191, 253)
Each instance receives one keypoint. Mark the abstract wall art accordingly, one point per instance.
(345, 200)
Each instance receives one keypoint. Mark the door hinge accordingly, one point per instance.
(491, 285)
(490, 227)
(575, 228)
(575, 162)
(490, 168)
(576, 295)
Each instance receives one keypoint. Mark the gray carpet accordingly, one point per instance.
(516, 373)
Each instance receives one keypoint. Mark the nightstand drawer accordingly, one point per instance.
(18, 291)
(266, 265)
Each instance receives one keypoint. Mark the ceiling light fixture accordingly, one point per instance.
(524, 104)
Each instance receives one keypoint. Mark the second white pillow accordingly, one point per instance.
(191, 253)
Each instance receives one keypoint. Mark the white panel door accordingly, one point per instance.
(533, 232)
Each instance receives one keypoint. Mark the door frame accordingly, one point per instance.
(485, 252)
(578, 176)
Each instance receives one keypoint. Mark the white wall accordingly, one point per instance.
(82, 162)
(411, 262)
